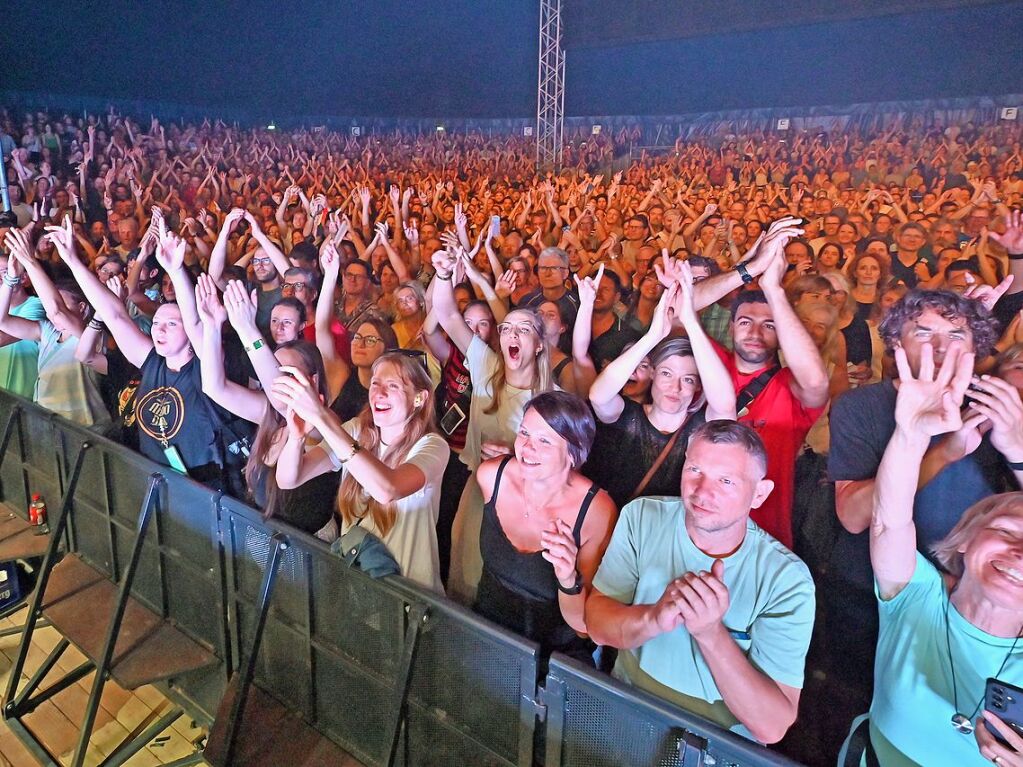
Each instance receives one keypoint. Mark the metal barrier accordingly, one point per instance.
(594, 721)
(382, 669)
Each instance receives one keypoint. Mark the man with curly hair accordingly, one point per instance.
(958, 470)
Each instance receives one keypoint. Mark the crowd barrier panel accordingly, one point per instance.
(388, 671)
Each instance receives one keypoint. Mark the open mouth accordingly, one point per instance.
(381, 407)
(527, 462)
(514, 352)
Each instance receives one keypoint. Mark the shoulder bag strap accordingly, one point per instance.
(656, 465)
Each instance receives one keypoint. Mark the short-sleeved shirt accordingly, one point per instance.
(625, 450)
(782, 422)
(501, 425)
(19, 360)
(66, 386)
(265, 301)
(454, 399)
(770, 614)
(413, 538)
(568, 305)
(862, 423)
(910, 715)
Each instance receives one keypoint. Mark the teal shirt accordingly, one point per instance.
(19, 360)
(911, 714)
(770, 614)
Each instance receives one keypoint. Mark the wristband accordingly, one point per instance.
(356, 447)
(11, 282)
(576, 587)
(1015, 256)
(445, 277)
(1015, 465)
(741, 270)
(96, 324)
(257, 344)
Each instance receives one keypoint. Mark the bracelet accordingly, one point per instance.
(1015, 256)
(257, 344)
(10, 281)
(96, 324)
(1015, 465)
(576, 587)
(445, 277)
(356, 447)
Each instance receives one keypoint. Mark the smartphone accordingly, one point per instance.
(1006, 702)
(495, 226)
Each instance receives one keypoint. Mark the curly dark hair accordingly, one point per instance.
(983, 326)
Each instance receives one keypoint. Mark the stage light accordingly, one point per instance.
(271, 126)
(440, 128)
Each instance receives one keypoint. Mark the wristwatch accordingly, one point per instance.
(741, 270)
(576, 588)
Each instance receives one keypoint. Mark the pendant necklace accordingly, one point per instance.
(960, 722)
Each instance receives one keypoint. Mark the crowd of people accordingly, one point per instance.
(753, 399)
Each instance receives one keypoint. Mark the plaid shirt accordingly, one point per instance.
(717, 322)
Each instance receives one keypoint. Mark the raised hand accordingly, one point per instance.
(118, 287)
(685, 307)
(507, 283)
(987, 295)
(296, 392)
(395, 195)
(381, 229)
(587, 286)
(999, 402)
(1012, 240)
(63, 239)
(412, 234)
(207, 302)
(241, 308)
(364, 196)
(444, 262)
(170, 253)
(330, 260)
(928, 403)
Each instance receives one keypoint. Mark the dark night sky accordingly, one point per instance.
(478, 58)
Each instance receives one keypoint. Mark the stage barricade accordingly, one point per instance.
(303, 660)
(595, 721)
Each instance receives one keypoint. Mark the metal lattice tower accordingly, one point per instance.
(550, 92)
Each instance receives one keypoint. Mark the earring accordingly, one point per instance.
(418, 401)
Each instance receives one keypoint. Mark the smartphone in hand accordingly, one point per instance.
(1006, 702)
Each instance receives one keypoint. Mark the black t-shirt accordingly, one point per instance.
(624, 451)
(171, 410)
(907, 274)
(610, 344)
(862, 423)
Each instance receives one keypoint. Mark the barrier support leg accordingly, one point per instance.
(416, 621)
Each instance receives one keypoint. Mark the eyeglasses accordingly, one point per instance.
(505, 328)
(262, 261)
(295, 286)
(549, 269)
(366, 340)
(355, 276)
(408, 300)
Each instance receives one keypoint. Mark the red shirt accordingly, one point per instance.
(342, 344)
(782, 422)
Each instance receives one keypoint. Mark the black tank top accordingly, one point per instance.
(352, 398)
(520, 591)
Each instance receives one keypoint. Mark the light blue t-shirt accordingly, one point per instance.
(911, 714)
(770, 614)
(19, 359)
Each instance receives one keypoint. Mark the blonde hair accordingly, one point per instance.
(830, 348)
(542, 379)
(351, 496)
(948, 551)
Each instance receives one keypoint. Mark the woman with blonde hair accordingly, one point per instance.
(503, 381)
(390, 456)
(864, 350)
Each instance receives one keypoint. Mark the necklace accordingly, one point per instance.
(960, 722)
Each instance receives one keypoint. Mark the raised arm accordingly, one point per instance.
(444, 301)
(810, 377)
(714, 378)
(1012, 241)
(280, 261)
(170, 252)
(218, 256)
(337, 369)
(240, 305)
(243, 402)
(927, 405)
(605, 394)
(133, 343)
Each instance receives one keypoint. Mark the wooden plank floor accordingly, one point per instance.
(56, 722)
